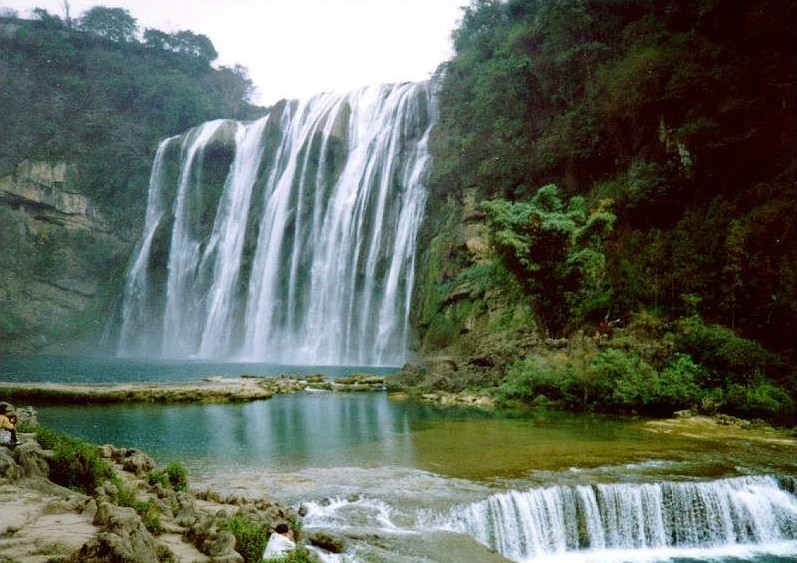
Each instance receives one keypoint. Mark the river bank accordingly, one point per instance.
(138, 512)
(43, 521)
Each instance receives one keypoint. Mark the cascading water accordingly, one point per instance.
(524, 525)
(288, 240)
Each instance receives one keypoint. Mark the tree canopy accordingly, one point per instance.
(97, 97)
(114, 24)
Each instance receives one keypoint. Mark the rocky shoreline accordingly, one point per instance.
(130, 517)
(43, 521)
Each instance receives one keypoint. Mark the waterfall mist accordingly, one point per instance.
(290, 239)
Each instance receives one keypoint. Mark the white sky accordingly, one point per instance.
(297, 48)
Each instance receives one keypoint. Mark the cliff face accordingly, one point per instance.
(469, 324)
(58, 259)
(41, 189)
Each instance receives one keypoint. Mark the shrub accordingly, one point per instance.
(761, 399)
(622, 380)
(611, 380)
(678, 386)
(150, 516)
(154, 477)
(251, 537)
(75, 464)
(174, 476)
(530, 379)
(720, 349)
(125, 496)
(178, 476)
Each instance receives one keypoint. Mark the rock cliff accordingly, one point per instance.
(469, 324)
(58, 258)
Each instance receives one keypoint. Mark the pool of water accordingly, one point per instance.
(370, 465)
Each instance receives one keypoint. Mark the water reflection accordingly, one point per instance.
(285, 433)
(327, 430)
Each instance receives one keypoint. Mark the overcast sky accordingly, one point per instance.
(297, 48)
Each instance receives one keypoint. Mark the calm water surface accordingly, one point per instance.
(79, 369)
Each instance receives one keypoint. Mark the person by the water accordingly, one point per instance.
(8, 427)
(280, 543)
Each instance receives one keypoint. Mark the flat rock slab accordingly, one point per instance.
(35, 528)
(708, 428)
(214, 390)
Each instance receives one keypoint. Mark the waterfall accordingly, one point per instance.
(137, 286)
(522, 525)
(290, 239)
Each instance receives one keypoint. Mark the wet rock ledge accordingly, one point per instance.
(212, 389)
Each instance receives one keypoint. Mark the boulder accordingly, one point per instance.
(31, 459)
(138, 463)
(125, 538)
(328, 542)
(9, 469)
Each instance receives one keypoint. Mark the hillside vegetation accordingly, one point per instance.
(633, 163)
(92, 94)
(91, 97)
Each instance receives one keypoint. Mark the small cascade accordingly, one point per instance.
(523, 525)
(290, 239)
(338, 513)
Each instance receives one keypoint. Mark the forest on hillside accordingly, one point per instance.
(635, 161)
(100, 93)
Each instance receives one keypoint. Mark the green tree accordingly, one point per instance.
(115, 24)
(196, 45)
(48, 20)
(157, 39)
(555, 251)
(732, 270)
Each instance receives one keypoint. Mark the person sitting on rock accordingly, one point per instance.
(280, 543)
(8, 427)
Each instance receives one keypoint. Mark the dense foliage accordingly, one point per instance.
(654, 367)
(677, 119)
(550, 245)
(89, 93)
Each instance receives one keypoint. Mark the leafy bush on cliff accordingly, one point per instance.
(556, 252)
